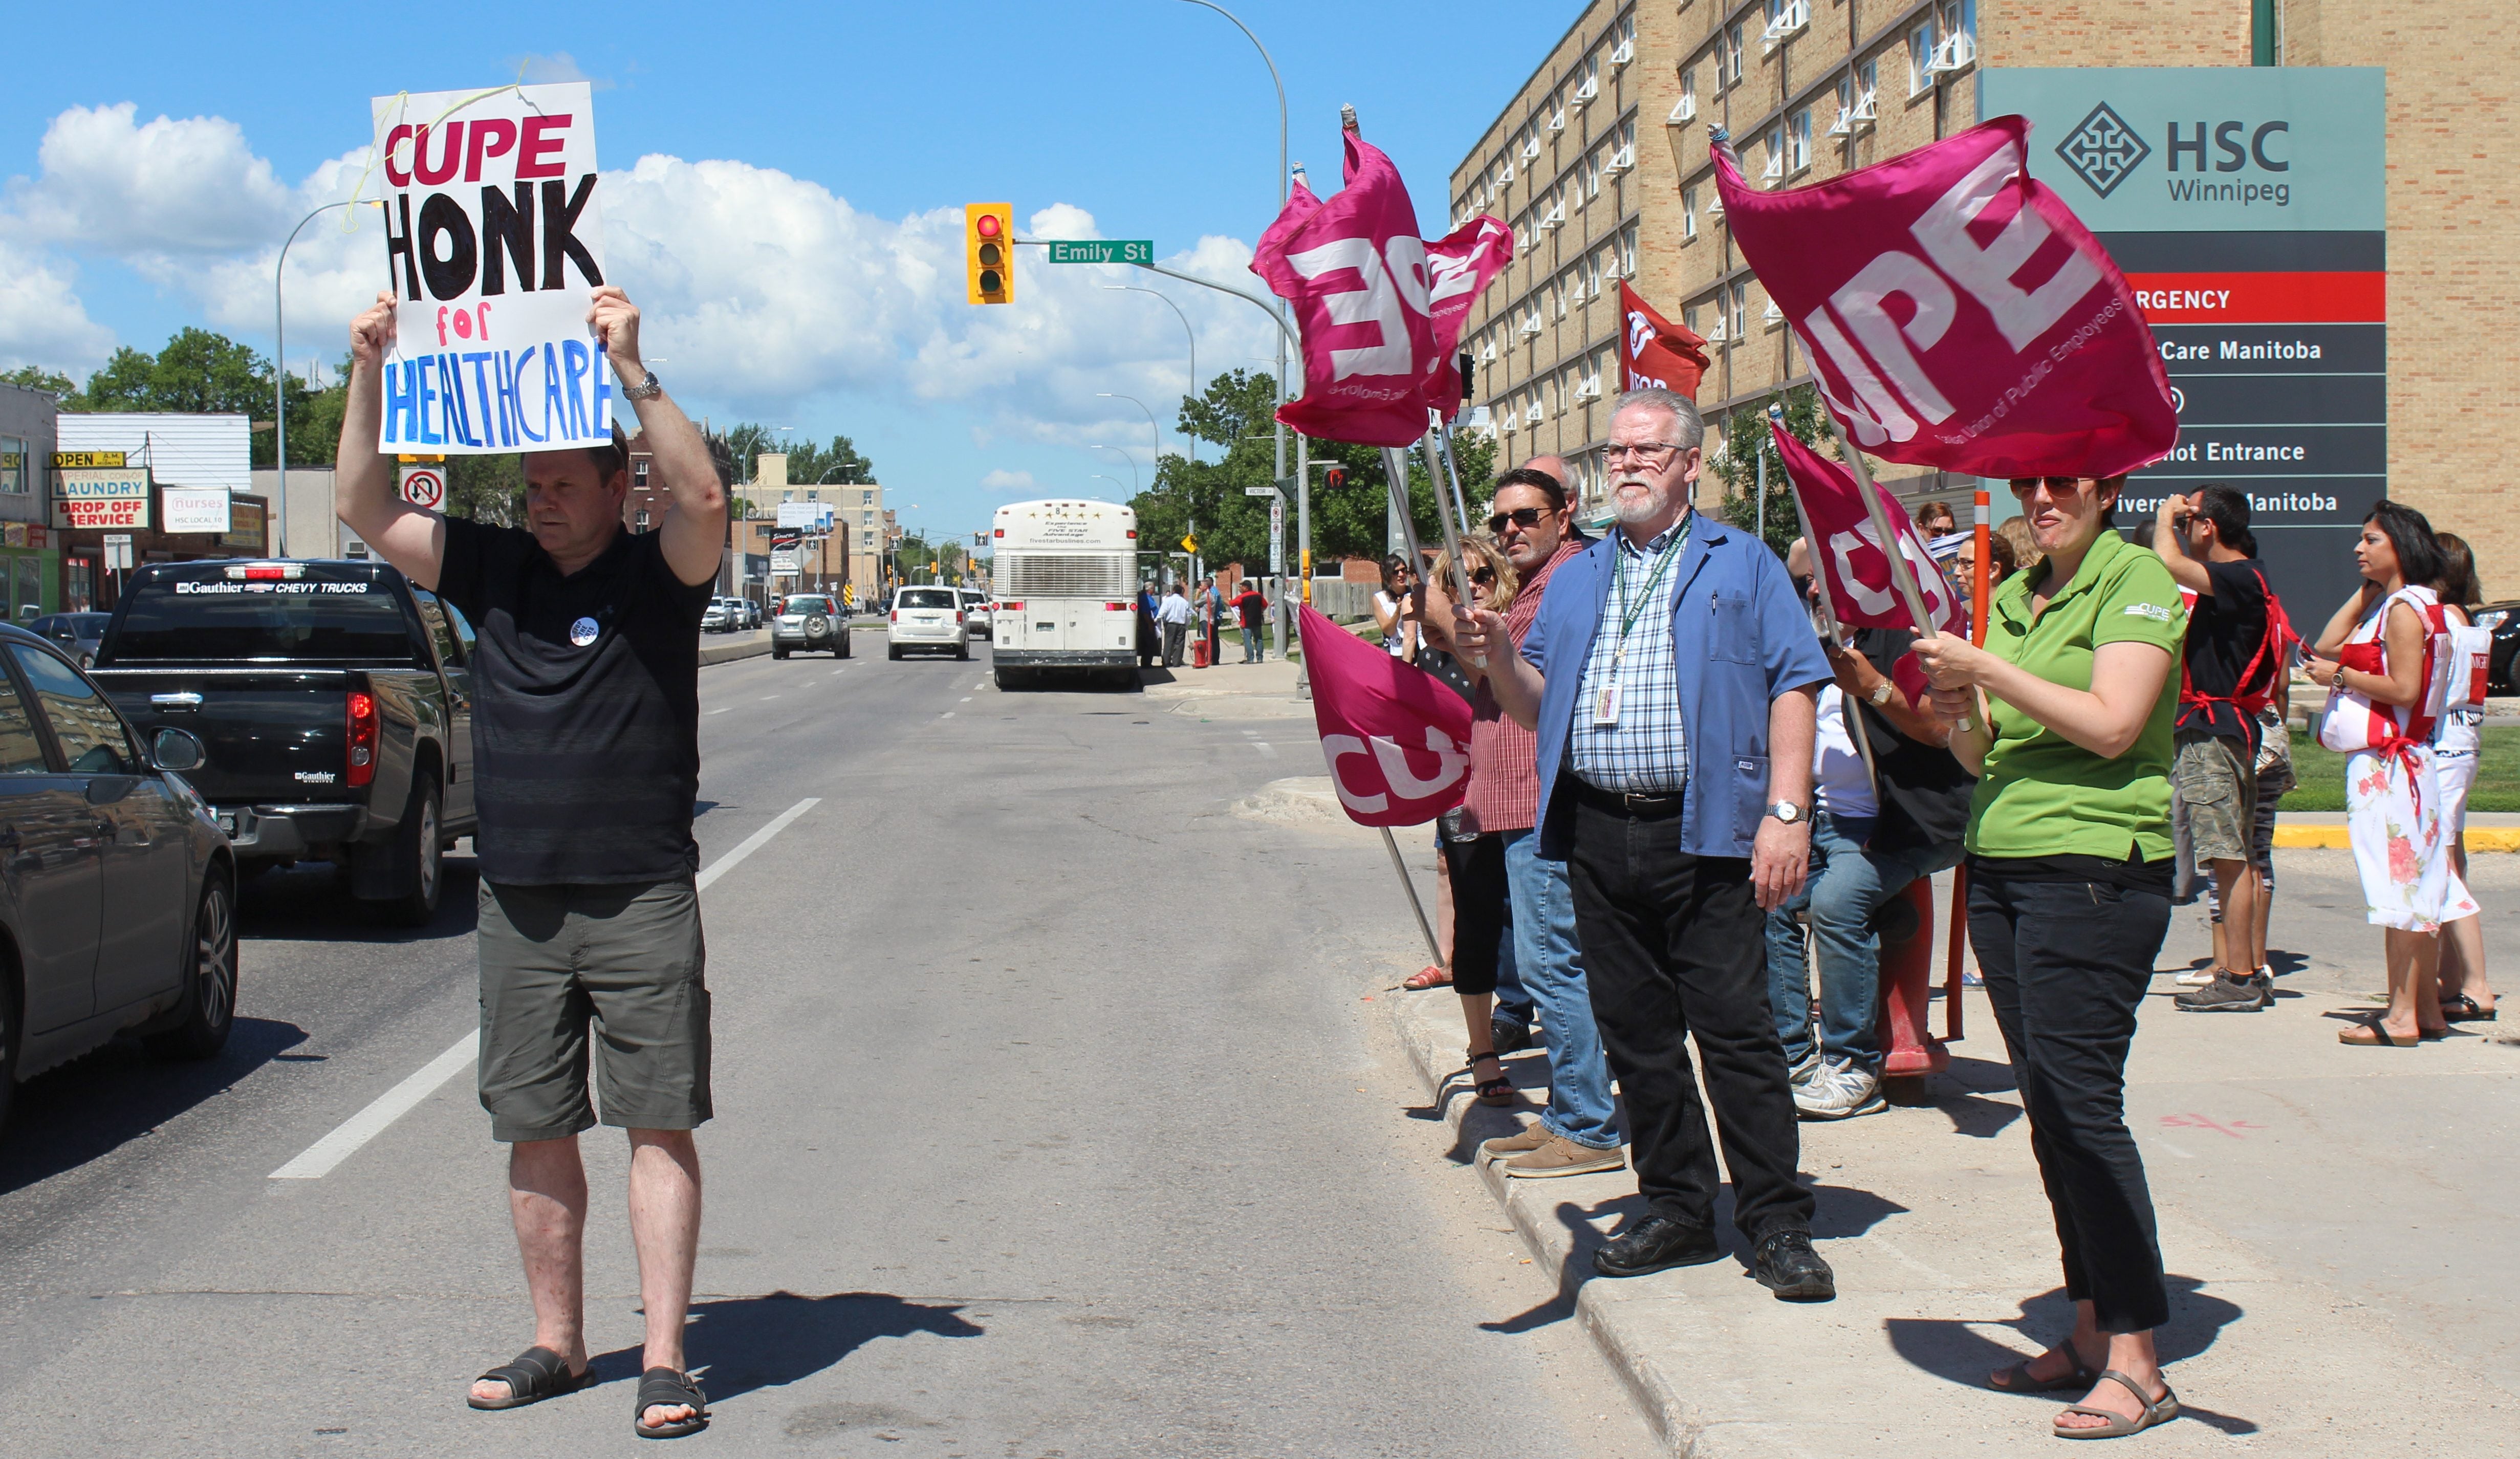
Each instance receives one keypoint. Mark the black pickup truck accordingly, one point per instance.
(334, 702)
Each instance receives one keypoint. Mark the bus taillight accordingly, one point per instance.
(1010, 607)
(1118, 607)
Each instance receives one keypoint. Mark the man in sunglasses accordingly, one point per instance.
(1579, 1131)
(1670, 677)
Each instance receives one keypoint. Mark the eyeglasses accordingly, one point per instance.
(1520, 516)
(2057, 486)
(1485, 577)
(1652, 455)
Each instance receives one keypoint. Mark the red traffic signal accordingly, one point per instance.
(1335, 478)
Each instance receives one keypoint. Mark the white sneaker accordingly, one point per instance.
(2195, 977)
(1841, 1090)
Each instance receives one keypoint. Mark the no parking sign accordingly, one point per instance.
(425, 486)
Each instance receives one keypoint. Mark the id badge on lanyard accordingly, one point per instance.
(1605, 704)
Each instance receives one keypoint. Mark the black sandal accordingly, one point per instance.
(2458, 1007)
(664, 1387)
(536, 1374)
(1491, 1092)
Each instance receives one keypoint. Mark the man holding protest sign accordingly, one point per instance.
(586, 746)
(1671, 677)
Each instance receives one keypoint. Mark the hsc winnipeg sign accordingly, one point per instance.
(2247, 208)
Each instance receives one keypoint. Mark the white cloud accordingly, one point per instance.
(41, 321)
(559, 65)
(162, 188)
(1003, 480)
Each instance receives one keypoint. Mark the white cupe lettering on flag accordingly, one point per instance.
(493, 240)
(1989, 273)
(1333, 747)
(1843, 546)
(1372, 304)
(1451, 763)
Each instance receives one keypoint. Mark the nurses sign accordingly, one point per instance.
(493, 238)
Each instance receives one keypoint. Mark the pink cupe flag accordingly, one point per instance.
(1396, 740)
(1957, 314)
(1847, 550)
(1379, 309)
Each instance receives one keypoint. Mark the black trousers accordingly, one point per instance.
(1480, 909)
(2066, 965)
(1675, 947)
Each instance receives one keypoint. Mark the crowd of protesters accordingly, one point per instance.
(1698, 806)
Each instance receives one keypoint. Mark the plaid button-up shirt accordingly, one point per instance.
(1646, 750)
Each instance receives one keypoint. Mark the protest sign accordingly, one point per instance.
(1379, 309)
(1654, 352)
(101, 497)
(1957, 314)
(493, 240)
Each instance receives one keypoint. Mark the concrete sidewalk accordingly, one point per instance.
(2293, 1177)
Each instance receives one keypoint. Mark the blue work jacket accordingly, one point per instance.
(1739, 640)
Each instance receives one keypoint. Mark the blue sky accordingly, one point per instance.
(840, 144)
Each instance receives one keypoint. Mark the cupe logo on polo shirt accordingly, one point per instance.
(2158, 613)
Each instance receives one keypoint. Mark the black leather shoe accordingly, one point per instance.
(1790, 1267)
(1511, 1036)
(1655, 1244)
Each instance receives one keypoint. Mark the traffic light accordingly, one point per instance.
(1335, 478)
(989, 253)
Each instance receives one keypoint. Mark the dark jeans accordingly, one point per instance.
(1480, 911)
(2066, 965)
(1674, 946)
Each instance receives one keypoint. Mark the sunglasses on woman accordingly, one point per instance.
(1520, 516)
(1484, 577)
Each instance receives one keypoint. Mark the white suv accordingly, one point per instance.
(976, 613)
(930, 618)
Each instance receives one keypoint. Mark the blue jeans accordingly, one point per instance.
(1550, 972)
(1251, 653)
(1846, 885)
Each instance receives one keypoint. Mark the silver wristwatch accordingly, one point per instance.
(1788, 813)
(1883, 692)
(648, 389)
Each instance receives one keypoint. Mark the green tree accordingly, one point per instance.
(1746, 442)
(488, 488)
(37, 377)
(200, 373)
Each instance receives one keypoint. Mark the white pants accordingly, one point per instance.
(2395, 816)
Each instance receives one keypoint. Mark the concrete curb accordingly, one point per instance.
(727, 654)
(2480, 838)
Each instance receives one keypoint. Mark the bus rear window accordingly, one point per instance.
(214, 612)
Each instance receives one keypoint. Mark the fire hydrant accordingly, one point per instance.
(1905, 1015)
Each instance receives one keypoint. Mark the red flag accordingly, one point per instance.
(1396, 740)
(1847, 552)
(1379, 309)
(1957, 314)
(1655, 352)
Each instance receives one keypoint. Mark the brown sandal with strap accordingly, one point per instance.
(2159, 1410)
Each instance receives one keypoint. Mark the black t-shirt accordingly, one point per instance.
(586, 707)
(1924, 793)
(2226, 630)
(1254, 607)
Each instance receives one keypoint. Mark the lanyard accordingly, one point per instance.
(1619, 579)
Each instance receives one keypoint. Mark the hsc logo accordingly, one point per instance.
(2104, 151)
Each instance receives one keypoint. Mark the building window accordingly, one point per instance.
(1628, 252)
(1730, 56)
(866, 498)
(1689, 212)
(1921, 57)
(1740, 307)
(1689, 315)
(14, 472)
(643, 519)
(1798, 142)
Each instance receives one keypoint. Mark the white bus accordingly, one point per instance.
(1065, 579)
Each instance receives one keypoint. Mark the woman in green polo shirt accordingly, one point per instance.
(2069, 732)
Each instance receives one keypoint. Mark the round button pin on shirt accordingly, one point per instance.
(582, 632)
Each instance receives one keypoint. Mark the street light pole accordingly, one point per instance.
(1192, 446)
(1124, 455)
(1142, 405)
(280, 374)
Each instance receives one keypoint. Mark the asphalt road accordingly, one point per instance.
(1052, 1123)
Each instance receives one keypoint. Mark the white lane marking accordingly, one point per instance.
(770, 697)
(947, 715)
(722, 710)
(966, 699)
(1267, 750)
(2175, 1150)
(837, 673)
(318, 1160)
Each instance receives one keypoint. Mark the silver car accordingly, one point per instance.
(809, 623)
(976, 613)
(75, 633)
(928, 618)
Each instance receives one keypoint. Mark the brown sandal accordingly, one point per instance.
(2159, 1410)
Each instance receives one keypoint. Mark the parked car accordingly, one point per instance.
(118, 898)
(751, 612)
(333, 703)
(976, 613)
(809, 623)
(928, 618)
(75, 633)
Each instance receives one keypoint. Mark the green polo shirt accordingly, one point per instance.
(2042, 795)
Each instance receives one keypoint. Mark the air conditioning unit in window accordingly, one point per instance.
(1622, 160)
(1555, 217)
(1866, 109)
(1715, 210)
(1487, 353)
(1530, 324)
(1557, 122)
(1584, 93)
(1610, 270)
(1774, 172)
(1531, 146)
(1505, 174)
(1957, 51)
(1533, 414)
(1588, 387)
(1771, 316)
(1625, 52)
(1844, 126)
(1715, 333)
(1683, 111)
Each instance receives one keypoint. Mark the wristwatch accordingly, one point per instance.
(1881, 695)
(649, 390)
(1788, 813)
(2338, 681)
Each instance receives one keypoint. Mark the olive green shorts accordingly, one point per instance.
(2219, 786)
(623, 961)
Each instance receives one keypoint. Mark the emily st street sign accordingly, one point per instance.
(1101, 250)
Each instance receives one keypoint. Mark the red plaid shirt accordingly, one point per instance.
(1505, 757)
